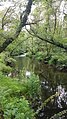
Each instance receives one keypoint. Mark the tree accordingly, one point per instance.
(51, 30)
(23, 19)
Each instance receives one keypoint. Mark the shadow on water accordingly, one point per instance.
(52, 81)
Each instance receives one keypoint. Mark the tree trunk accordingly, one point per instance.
(21, 25)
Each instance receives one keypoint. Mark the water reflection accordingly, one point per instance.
(62, 98)
(52, 81)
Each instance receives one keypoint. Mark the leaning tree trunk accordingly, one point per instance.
(22, 23)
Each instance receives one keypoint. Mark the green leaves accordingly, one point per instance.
(13, 93)
(18, 108)
(12, 101)
(58, 58)
(32, 86)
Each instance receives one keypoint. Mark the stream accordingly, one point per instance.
(52, 81)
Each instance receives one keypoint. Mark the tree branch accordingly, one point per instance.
(18, 30)
(18, 45)
(4, 18)
(35, 22)
(51, 41)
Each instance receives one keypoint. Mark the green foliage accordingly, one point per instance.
(5, 69)
(58, 59)
(11, 84)
(32, 85)
(40, 55)
(18, 108)
(14, 107)
(28, 87)
(7, 64)
(17, 46)
(12, 93)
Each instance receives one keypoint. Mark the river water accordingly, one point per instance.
(52, 81)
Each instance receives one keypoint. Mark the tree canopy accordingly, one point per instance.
(46, 21)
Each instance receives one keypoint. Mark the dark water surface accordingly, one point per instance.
(52, 81)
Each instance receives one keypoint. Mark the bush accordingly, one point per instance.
(58, 59)
(12, 93)
(7, 64)
(29, 87)
(32, 86)
(40, 55)
(18, 109)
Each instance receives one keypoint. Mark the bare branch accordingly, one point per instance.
(4, 18)
(31, 23)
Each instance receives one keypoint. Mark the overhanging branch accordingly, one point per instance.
(18, 30)
(51, 41)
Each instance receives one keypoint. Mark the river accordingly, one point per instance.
(52, 81)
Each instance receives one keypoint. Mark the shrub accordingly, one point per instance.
(40, 55)
(14, 105)
(32, 86)
(7, 64)
(18, 109)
